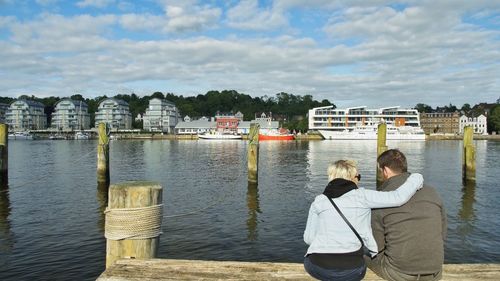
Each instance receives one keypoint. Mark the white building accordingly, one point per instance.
(478, 123)
(115, 113)
(70, 115)
(194, 127)
(160, 116)
(25, 115)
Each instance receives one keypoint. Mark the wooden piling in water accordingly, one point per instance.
(381, 146)
(253, 154)
(103, 155)
(468, 156)
(4, 155)
(133, 220)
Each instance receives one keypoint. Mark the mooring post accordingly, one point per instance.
(4, 155)
(253, 154)
(133, 220)
(103, 155)
(468, 156)
(381, 146)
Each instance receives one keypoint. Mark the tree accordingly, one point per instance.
(421, 107)
(494, 119)
(465, 108)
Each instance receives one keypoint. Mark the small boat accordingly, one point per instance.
(281, 134)
(20, 136)
(81, 136)
(57, 137)
(219, 136)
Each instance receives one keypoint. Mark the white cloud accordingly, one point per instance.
(185, 17)
(247, 15)
(142, 22)
(94, 3)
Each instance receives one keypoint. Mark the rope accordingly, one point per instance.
(133, 223)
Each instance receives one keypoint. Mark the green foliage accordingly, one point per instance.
(421, 107)
(494, 119)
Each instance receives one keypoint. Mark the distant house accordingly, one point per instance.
(70, 115)
(26, 115)
(265, 123)
(194, 127)
(3, 112)
(115, 113)
(440, 122)
(161, 116)
(479, 124)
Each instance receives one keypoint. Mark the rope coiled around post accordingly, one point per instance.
(133, 223)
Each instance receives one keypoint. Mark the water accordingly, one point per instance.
(51, 222)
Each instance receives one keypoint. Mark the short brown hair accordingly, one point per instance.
(393, 159)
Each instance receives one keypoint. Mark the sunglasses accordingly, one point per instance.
(358, 176)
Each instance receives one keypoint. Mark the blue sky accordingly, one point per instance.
(375, 53)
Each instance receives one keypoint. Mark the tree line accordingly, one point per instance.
(291, 109)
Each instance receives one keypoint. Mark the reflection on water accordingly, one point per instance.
(466, 213)
(253, 209)
(102, 199)
(6, 238)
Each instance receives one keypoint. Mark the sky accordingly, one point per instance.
(375, 53)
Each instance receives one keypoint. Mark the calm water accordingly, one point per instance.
(51, 223)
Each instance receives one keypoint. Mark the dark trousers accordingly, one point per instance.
(352, 274)
(383, 268)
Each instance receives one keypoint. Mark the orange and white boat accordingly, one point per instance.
(281, 134)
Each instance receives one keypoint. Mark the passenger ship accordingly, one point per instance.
(361, 123)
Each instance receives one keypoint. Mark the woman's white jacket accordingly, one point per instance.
(327, 232)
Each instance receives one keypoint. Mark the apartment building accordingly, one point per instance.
(70, 115)
(115, 113)
(23, 115)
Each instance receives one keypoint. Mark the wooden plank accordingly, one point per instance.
(169, 269)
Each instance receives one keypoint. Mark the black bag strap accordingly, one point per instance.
(348, 223)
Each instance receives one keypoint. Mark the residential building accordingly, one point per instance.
(3, 112)
(266, 124)
(194, 127)
(70, 115)
(25, 115)
(115, 113)
(479, 124)
(161, 116)
(440, 122)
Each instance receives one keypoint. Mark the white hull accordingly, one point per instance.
(335, 135)
(81, 136)
(219, 137)
(20, 136)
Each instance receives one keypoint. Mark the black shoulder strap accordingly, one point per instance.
(348, 223)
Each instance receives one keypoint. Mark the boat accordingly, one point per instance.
(281, 134)
(57, 137)
(81, 136)
(360, 123)
(369, 132)
(20, 136)
(219, 136)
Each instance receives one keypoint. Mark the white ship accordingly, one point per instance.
(360, 123)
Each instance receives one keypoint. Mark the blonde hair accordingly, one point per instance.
(344, 169)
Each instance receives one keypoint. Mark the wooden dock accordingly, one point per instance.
(169, 269)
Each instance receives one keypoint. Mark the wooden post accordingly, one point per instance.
(131, 196)
(103, 155)
(381, 146)
(253, 154)
(4, 155)
(468, 156)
